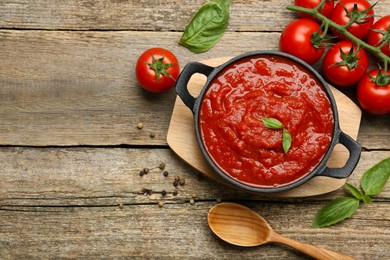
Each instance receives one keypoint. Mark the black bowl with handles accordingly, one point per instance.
(194, 103)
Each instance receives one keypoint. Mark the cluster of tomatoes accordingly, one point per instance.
(345, 63)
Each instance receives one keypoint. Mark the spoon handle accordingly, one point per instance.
(311, 250)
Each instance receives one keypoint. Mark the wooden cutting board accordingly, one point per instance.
(182, 140)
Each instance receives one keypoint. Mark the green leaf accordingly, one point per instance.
(375, 178)
(286, 140)
(272, 123)
(207, 26)
(354, 191)
(335, 211)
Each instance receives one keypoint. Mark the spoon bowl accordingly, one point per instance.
(241, 226)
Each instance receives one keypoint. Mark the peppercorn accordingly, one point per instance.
(182, 181)
(140, 125)
(175, 193)
(163, 193)
(141, 173)
(165, 173)
(192, 201)
(152, 135)
(121, 205)
(146, 170)
(161, 166)
(177, 178)
(160, 204)
(175, 183)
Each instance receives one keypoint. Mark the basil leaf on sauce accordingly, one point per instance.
(286, 140)
(335, 211)
(375, 178)
(272, 123)
(207, 26)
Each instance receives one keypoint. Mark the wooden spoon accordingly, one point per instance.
(241, 226)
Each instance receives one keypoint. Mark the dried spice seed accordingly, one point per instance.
(141, 173)
(165, 173)
(146, 170)
(182, 181)
(160, 204)
(163, 193)
(152, 135)
(175, 193)
(146, 191)
(121, 205)
(177, 178)
(140, 125)
(192, 201)
(175, 183)
(161, 166)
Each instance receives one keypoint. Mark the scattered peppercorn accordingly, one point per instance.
(175, 193)
(165, 173)
(163, 193)
(182, 181)
(161, 166)
(146, 170)
(192, 201)
(146, 191)
(141, 173)
(140, 125)
(152, 135)
(160, 204)
(175, 183)
(121, 205)
(177, 178)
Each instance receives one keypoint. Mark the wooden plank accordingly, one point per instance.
(178, 231)
(149, 15)
(107, 177)
(80, 87)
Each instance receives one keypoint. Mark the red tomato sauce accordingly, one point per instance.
(259, 87)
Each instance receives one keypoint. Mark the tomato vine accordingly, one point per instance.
(315, 12)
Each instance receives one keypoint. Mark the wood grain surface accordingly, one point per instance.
(71, 152)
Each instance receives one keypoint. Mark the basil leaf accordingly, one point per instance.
(207, 26)
(286, 140)
(335, 211)
(354, 191)
(272, 123)
(375, 178)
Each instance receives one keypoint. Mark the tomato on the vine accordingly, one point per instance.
(373, 92)
(326, 9)
(379, 34)
(157, 70)
(302, 39)
(361, 10)
(344, 65)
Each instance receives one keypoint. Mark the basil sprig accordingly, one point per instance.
(273, 123)
(372, 183)
(207, 26)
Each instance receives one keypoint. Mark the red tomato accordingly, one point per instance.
(157, 70)
(296, 39)
(373, 96)
(361, 26)
(326, 9)
(380, 34)
(341, 67)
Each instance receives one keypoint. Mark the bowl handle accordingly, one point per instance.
(181, 85)
(354, 156)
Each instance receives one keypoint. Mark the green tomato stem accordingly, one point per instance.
(343, 30)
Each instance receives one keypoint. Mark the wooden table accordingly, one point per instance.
(71, 152)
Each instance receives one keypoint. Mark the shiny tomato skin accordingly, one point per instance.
(326, 10)
(371, 97)
(339, 16)
(296, 40)
(147, 76)
(342, 76)
(374, 37)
